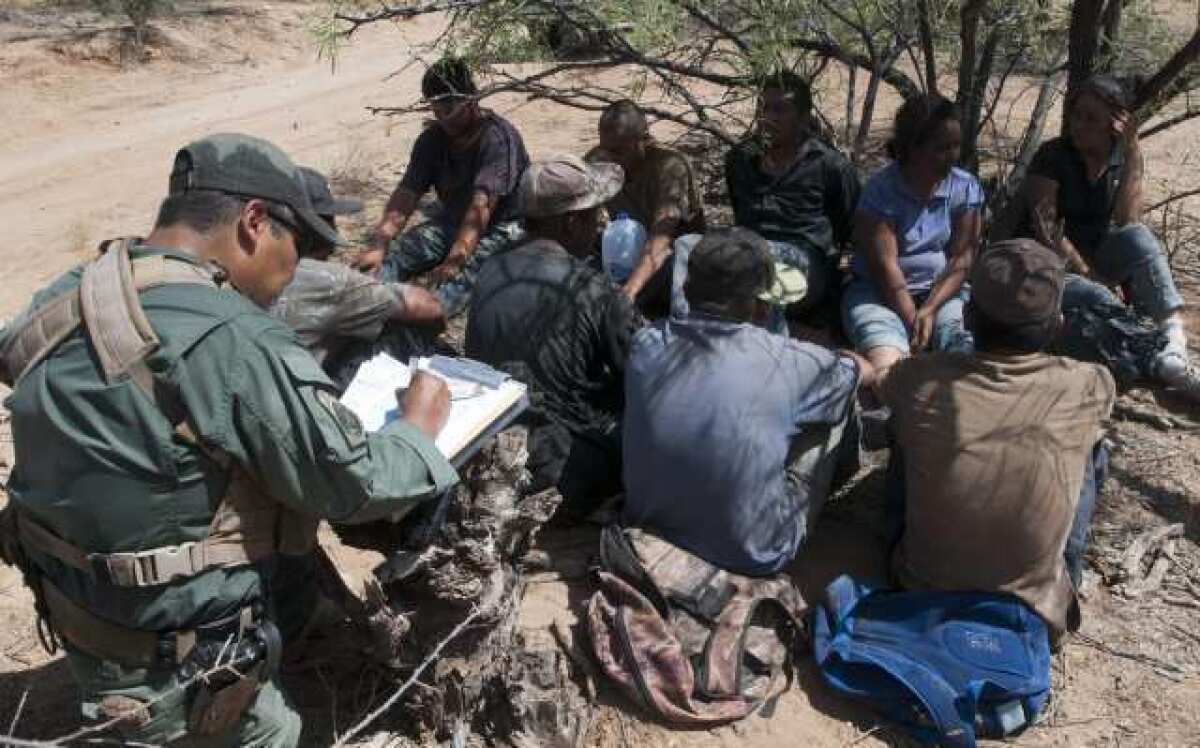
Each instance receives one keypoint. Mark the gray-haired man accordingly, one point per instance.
(542, 309)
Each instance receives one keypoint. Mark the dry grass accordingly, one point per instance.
(354, 170)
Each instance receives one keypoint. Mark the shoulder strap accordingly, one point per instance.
(40, 333)
(116, 323)
(839, 653)
(110, 286)
(721, 671)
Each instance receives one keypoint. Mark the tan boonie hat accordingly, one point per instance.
(565, 184)
(1018, 282)
(789, 287)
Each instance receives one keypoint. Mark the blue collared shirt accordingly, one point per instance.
(712, 407)
(922, 227)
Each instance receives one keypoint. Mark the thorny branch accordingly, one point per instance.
(87, 734)
(391, 700)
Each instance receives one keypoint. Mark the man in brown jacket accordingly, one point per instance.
(997, 466)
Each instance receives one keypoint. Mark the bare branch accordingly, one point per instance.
(904, 85)
(1169, 123)
(407, 12)
(1174, 198)
(391, 700)
(1161, 86)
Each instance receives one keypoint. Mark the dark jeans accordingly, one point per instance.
(1094, 472)
(584, 465)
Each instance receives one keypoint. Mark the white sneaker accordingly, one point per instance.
(1177, 372)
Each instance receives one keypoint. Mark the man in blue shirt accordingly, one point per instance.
(732, 434)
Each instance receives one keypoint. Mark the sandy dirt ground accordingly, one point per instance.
(86, 154)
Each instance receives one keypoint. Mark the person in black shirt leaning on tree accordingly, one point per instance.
(1090, 183)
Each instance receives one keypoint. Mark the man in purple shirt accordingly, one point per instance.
(473, 159)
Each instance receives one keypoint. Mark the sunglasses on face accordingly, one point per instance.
(447, 104)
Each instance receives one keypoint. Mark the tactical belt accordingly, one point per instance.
(106, 640)
(144, 568)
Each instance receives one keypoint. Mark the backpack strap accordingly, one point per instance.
(112, 284)
(41, 332)
(834, 638)
(721, 666)
(936, 695)
(116, 322)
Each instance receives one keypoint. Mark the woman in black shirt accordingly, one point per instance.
(1091, 181)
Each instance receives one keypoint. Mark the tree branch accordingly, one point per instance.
(898, 80)
(406, 12)
(391, 700)
(1156, 91)
(925, 31)
(1173, 199)
(704, 17)
(1169, 123)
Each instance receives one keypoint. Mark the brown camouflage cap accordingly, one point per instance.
(1018, 282)
(247, 166)
(565, 184)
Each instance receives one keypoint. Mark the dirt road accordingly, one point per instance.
(88, 158)
(85, 155)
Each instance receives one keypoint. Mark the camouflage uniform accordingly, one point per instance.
(425, 246)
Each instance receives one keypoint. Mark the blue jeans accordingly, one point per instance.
(1130, 256)
(871, 323)
(1095, 470)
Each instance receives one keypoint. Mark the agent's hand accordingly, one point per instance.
(922, 329)
(425, 403)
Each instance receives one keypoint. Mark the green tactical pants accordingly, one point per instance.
(108, 689)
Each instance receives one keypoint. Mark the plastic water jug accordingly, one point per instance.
(621, 247)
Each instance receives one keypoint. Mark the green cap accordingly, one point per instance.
(323, 201)
(789, 287)
(249, 167)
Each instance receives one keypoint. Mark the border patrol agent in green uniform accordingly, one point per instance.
(172, 440)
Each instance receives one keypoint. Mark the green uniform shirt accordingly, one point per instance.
(100, 465)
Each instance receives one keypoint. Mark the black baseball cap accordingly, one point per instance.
(323, 201)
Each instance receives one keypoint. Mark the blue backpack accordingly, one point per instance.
(945, 666)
